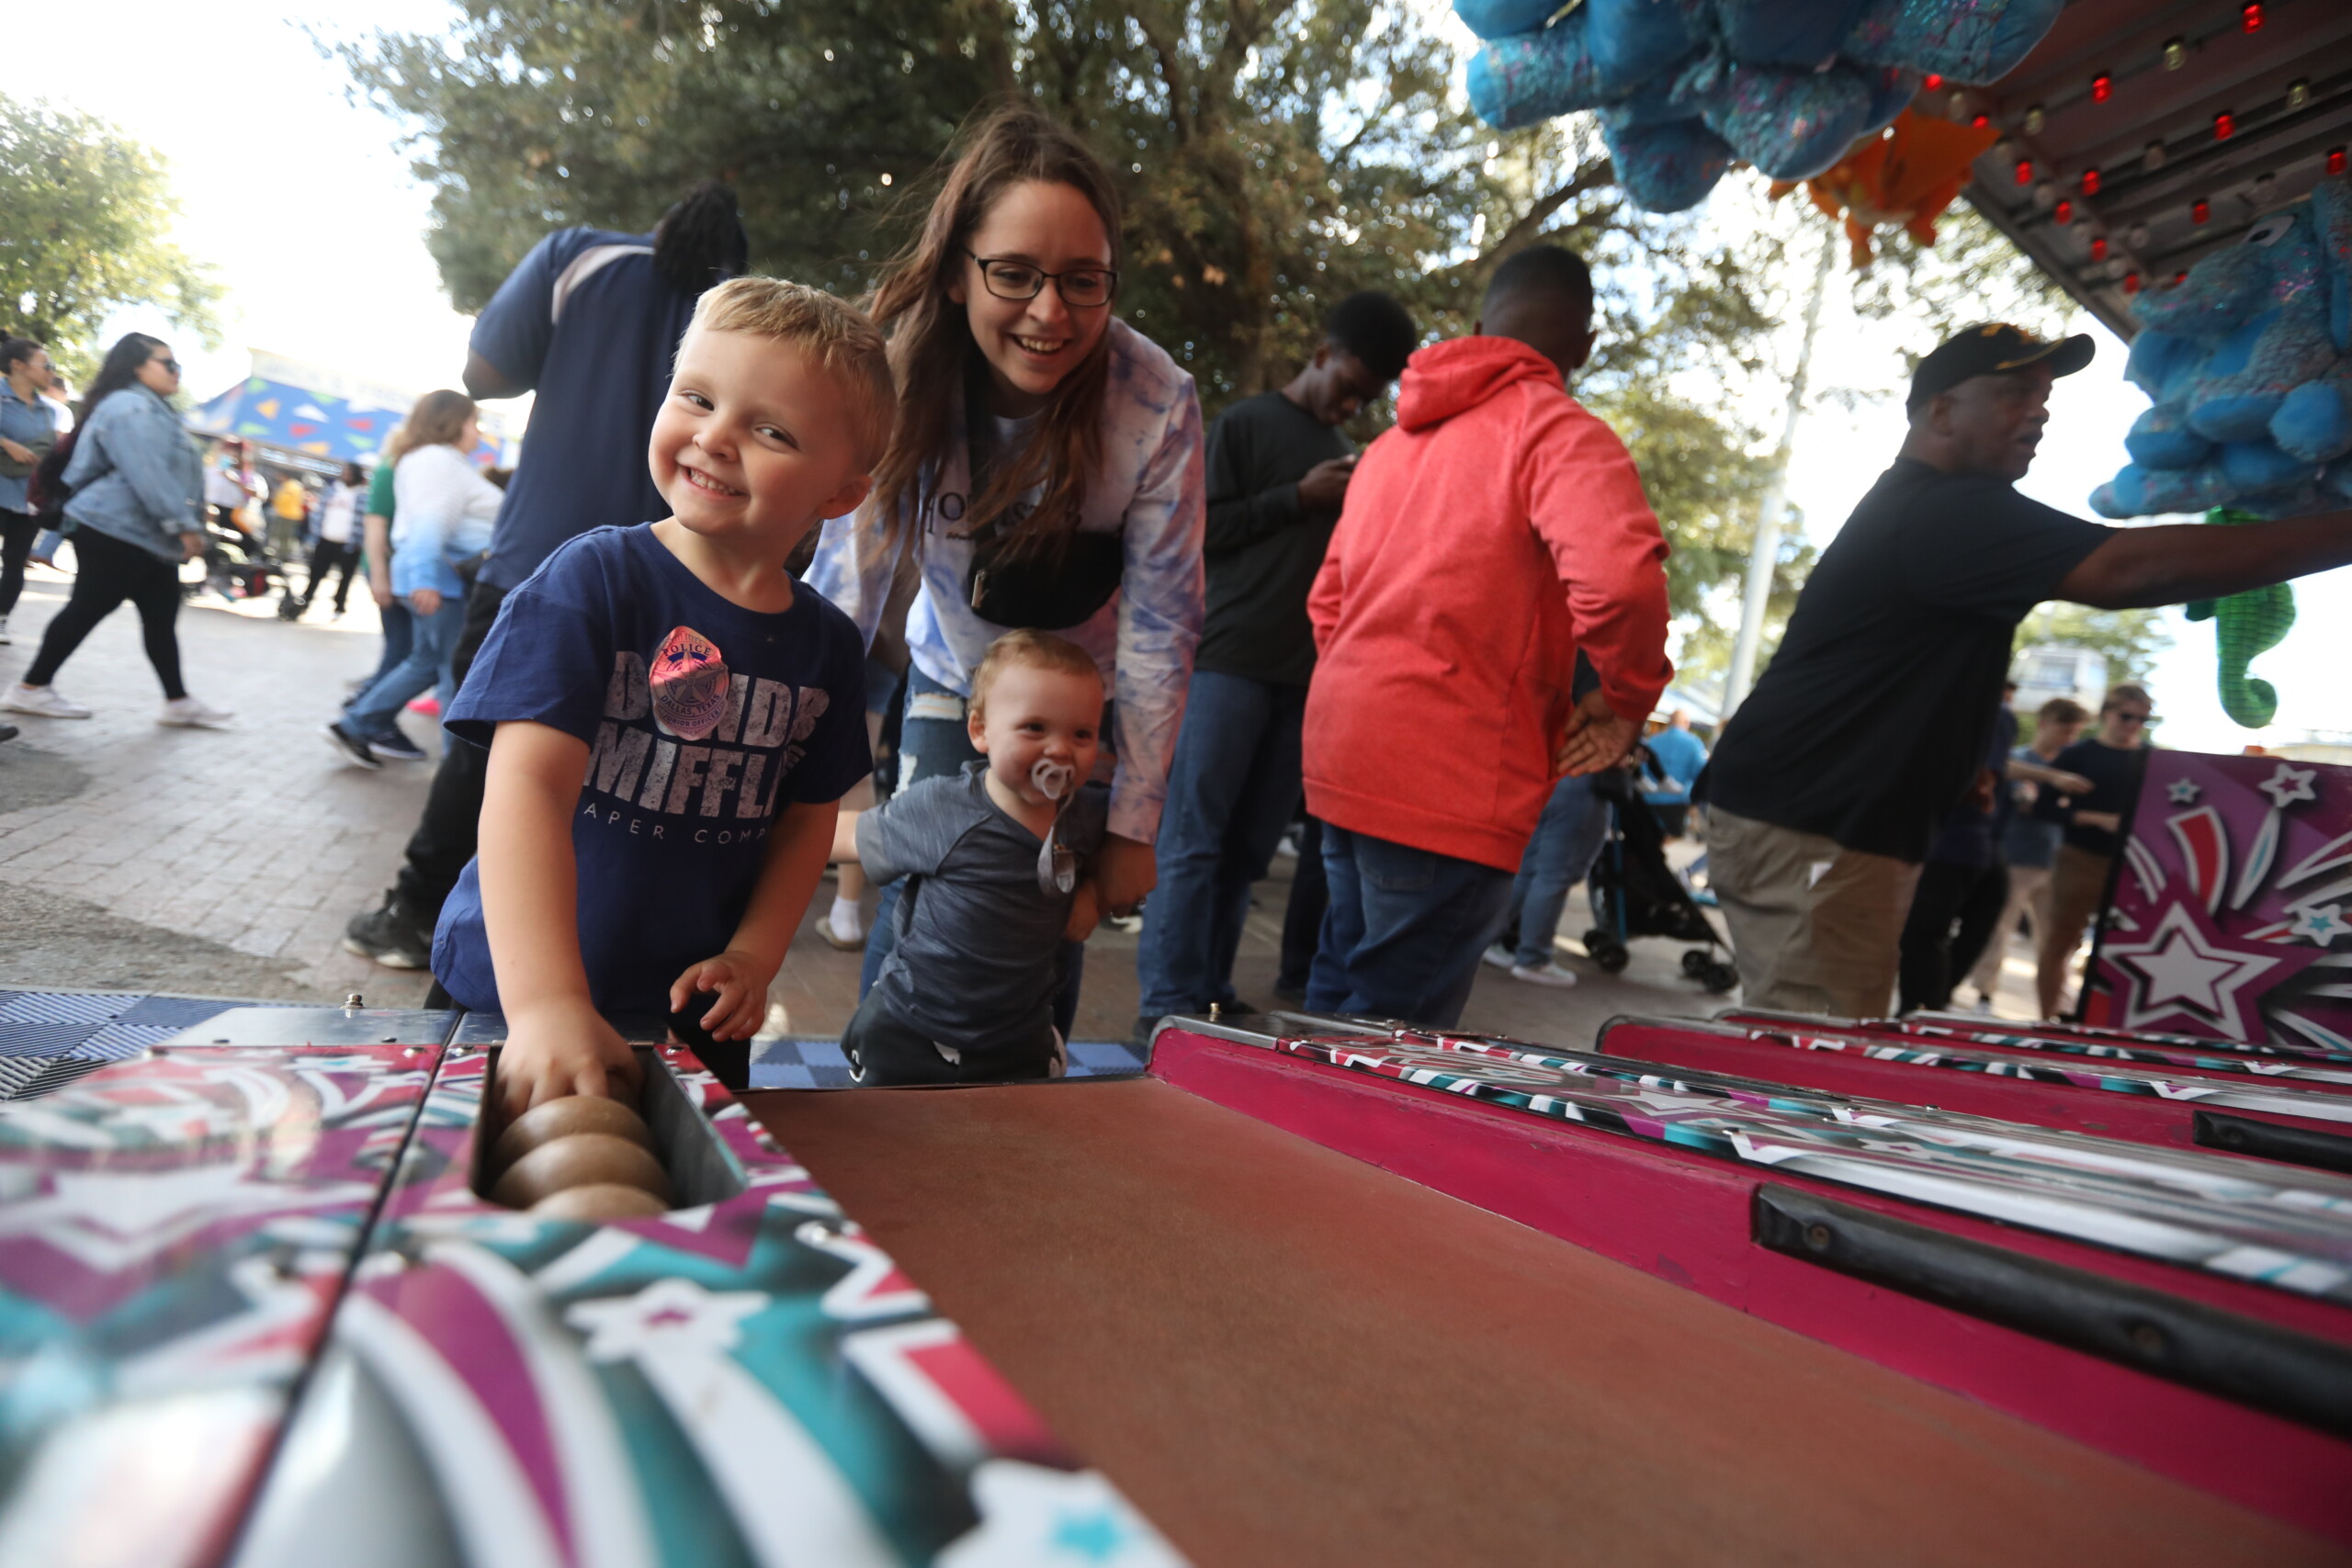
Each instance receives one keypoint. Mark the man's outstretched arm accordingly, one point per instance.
(2181, 562)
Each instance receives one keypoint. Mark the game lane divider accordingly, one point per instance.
(2326, 1075)
(2287, 1230)
(1927, 1022)
(2298, 1376)
(1686, 1216)
(2141, 1105)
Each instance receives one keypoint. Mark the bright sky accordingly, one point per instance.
(299, 199)
(309, 211)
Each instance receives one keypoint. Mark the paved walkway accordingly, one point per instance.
(225, 862)
(236, 855)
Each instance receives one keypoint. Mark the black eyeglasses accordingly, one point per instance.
(2121, 717)
(171, 365)
(1081, 288)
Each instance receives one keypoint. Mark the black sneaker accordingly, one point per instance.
(352, 744)
(390, 935)
(396, 747)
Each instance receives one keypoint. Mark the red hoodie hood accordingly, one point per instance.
(1444, 378)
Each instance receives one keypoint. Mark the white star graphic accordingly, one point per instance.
(2322, 924)
(2183, 792)
(667, 1310)
(2180, 968)
(2289, 784)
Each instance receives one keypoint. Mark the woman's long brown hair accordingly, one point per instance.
(931, 341)
(439, 419)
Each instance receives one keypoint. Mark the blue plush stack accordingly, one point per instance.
(2249, 362)
(1684, 87)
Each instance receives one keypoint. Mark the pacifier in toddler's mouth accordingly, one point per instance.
(1056, 861)
(1053, 779)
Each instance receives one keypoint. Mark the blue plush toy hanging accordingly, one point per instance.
(2249, 363)
(1685, 88)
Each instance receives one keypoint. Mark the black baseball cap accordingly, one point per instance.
(1991, 348)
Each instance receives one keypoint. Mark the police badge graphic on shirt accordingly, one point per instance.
(689, 681)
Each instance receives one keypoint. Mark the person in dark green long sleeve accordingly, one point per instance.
(1278, 469)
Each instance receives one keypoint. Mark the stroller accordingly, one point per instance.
(1635, 892)
(238, 565)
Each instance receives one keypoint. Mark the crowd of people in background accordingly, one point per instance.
(1434, 665)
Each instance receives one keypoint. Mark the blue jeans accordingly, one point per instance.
(400, 635)
(435, 640)
(1232, 791)
(1566, 839)
(932, 748)
(1405, 930)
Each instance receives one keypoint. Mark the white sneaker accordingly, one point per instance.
(1498, 956)
(43, 702)
(1550, 975)
(188, 713)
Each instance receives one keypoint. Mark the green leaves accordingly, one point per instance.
(85, 210)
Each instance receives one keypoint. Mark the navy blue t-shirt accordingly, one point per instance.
(585, 322)
(702, 719)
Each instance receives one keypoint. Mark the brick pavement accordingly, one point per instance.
(255, 838)
(258, 838)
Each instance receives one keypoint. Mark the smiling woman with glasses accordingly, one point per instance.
(133, 516)
(1044, 473)
(1081, 288)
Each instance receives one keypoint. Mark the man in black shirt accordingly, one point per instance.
(1870, 721)
(1278, 470)
(2114, 760)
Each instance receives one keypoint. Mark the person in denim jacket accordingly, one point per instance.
(135, 489)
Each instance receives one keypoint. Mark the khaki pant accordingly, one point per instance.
(2028, 894)
(1814, 927)
(2078, 884)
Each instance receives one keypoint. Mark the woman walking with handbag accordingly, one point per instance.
(1045, 472)
(134, 489)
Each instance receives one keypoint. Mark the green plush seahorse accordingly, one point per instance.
(2246, 625)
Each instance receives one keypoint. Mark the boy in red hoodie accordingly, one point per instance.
(1497, 531)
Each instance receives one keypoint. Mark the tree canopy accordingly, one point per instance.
(1277, 154)
(86, 212)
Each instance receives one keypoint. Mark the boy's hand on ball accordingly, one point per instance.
(740, 979)
(563, 1049)
(1085, 911)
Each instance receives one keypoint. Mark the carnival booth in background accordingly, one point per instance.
(315, 419)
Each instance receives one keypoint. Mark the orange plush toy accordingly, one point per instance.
(1904, 175)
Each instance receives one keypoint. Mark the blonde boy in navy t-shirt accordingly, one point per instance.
(671, 718)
